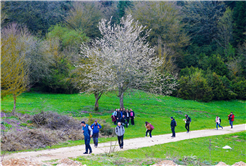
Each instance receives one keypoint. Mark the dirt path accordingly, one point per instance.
(135, 143)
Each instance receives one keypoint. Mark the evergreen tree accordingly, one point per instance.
(122, 5)
(239, 17)
(230, 3)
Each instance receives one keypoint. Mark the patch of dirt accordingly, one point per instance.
(166, 163)
(19, 162)
(221, 164)
(239, 164)
(68, 162)
(235, 136)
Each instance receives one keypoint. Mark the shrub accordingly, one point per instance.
(195, 87)
(239, 87)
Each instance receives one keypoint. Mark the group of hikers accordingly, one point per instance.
(123, 115)
(120, 115)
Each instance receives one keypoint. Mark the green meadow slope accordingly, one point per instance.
(148, 107)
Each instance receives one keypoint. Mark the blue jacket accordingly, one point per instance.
(95, 127)
(87, 131)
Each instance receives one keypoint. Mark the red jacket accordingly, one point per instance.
(231, 117)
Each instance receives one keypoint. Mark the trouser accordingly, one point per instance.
(218, 124)
(120, 140)
(87, 144)
(115, 123)
(95, 138)
(132, 121)
(149, 131)
(231, 123)
(127, 119)
(187, 126)
(173, 131)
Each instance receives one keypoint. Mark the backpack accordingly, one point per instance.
(220, 120)
(175, 123)
(151, 126)
(131, 113)
(190, 119)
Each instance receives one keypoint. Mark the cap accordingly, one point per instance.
(95, 120)
(172, 117)
(83, 122)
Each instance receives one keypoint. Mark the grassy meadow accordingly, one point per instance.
(186, 152)
(155, 109)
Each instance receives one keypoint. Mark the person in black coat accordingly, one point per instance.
(118, 117)
(173, 125)
(132, 116)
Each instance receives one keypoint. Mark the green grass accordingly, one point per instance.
(198, 147)
(148, 107)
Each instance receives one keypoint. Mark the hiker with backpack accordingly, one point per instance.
(87, 131)
(231, 119)
(187, 123)
(132, 116)
(173, 125)
(218, 121)
(149, 128)
(120, 131)
(95, 127)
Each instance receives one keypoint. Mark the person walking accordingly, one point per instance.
(173, 125)
(127, 117)
(113, 118)
(95, 127)
(218, 121)
(119, 130)
(149, 128)
(187, 123)
(132, 116)
(86, 129)
(231, 119)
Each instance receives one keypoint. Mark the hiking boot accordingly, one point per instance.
(85, 153)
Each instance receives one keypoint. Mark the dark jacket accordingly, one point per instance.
(95, 127)
(118, 114)
(124, 113)
(173, 123)
(132, 113)
(187, 119)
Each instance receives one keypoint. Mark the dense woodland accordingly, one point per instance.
(203, 44)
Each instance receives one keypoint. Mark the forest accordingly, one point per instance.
(201, 47)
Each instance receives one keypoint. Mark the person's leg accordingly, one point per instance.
(174, 132)
(231, 123)
(146, 133)
(133, 120)
(217, 126)
(86, 145)
(122, 143)
(119, 140)
(186, 126)
(89, 146)
(96, 139)
(150, 133)
(220, 126)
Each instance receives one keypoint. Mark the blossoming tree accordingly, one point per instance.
(121, 59)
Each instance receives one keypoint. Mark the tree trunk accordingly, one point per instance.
(97, 97)
(13, 111)
(121, 100)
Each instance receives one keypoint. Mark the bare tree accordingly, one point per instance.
(122, 58)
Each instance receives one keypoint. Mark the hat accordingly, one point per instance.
(83, 122)
(95, 120)
(171, 117)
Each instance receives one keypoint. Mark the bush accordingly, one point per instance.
(195, 87)
(55, 121)
(239, 87)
